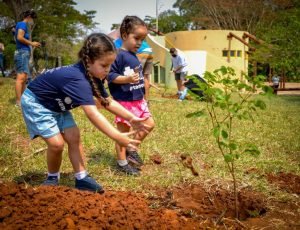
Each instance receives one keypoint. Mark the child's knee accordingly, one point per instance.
(151, 123)
(57, 147)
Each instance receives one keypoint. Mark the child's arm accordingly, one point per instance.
(104, 126)
(134, 78)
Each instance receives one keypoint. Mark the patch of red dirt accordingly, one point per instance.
(66, 208)
(185, 207)
(212, 202)
(156, 159)
(285, 181)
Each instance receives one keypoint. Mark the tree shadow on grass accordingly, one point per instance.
(290, 98)
(12, 101)
(37, 178)
(102, 157)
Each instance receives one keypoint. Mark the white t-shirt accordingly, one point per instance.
(179, 60)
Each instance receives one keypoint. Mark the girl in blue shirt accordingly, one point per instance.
(126, 85)
(47, 101)
(23, 51)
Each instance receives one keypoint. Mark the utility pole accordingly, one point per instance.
(157, 15)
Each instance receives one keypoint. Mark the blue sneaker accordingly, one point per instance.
(51, 181)
(183, 94)
(134, 158)
(88, 184)
(128, 170)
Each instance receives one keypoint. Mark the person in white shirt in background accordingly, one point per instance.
(179, 67)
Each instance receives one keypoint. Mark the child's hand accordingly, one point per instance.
(126, 141)
(134, 78)
(138, 125)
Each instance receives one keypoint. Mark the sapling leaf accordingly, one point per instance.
(232, 146)
(228, 158)
(224, 134)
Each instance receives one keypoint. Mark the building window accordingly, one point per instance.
(225, 53)
(238, 53)
(232, 53)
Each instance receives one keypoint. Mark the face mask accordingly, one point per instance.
(30, 23)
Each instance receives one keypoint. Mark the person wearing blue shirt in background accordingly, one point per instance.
(2, 59)
(22, 54)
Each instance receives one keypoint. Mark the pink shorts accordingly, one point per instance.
(138, 108)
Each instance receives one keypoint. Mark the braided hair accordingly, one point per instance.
(95, 46)
(128, 24)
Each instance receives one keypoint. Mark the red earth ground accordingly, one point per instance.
(195, 206)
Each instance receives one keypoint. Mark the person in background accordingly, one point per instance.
(179, 68)
(23, 51)
(2, 59)
(275, 81)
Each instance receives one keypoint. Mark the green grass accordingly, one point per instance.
(275, 132)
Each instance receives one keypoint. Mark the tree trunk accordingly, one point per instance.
(18, 7)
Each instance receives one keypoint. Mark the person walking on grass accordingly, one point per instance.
(23, 52)
(179, 68)
(48, 99)
(275, 82)
(126, 85)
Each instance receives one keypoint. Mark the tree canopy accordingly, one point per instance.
(58, 24)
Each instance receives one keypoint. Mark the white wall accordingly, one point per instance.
(196, 62)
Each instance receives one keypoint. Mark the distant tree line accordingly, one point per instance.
(276, 22)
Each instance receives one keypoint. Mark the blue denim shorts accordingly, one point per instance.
(41, 121)
(21, 59)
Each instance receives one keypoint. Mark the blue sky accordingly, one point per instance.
(113, 11)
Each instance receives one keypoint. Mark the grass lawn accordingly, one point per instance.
(276, 132)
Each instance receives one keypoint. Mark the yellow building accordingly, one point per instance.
(205, 50)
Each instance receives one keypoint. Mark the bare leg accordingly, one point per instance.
(182, 86)
(54, 152)
(147, 86)
(121, 151)
(142, 135)
(75, 149)
(179, 84)
(20, 86)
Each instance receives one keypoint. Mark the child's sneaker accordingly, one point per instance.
(128, 169)
(88, 184)
(133, 157)
(183, 95)
(51, 181)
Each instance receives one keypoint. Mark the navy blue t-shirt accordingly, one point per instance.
(65, 88)
(124, 65)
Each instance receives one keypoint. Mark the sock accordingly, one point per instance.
(122, 162)
(54, 174)
(81, 175)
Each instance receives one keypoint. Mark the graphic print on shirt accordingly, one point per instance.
(129, 71)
